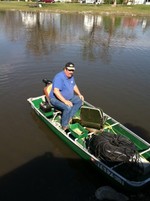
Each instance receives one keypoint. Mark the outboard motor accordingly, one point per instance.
(47, 82)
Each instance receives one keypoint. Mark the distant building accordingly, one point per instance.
(147, 2)
(92, 1)
(139, 1)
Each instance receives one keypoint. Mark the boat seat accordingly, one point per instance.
(47, 89)
(92, 117)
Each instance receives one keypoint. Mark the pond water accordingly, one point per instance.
(112, 58)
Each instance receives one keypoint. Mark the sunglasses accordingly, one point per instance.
(70, 70)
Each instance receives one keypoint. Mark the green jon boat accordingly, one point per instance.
(117, 152)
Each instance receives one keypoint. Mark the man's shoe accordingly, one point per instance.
(64, 128)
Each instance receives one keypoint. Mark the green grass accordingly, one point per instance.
(140, 10)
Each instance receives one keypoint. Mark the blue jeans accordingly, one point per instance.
(67, 112)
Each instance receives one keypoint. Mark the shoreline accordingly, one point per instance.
(101, 9)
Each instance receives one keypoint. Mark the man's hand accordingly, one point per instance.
(81, 97)
(69, 103)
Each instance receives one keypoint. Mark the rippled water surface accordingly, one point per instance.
(112, 58)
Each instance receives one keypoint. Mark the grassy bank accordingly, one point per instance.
(139, 10)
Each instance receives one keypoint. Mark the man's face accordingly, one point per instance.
(69, 73)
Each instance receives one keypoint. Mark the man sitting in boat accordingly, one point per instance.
(65, 94)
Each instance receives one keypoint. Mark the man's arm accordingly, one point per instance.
(77, 91)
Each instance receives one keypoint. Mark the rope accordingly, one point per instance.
(109, 127)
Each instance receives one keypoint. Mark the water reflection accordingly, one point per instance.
(29, 19)
(43, 31)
